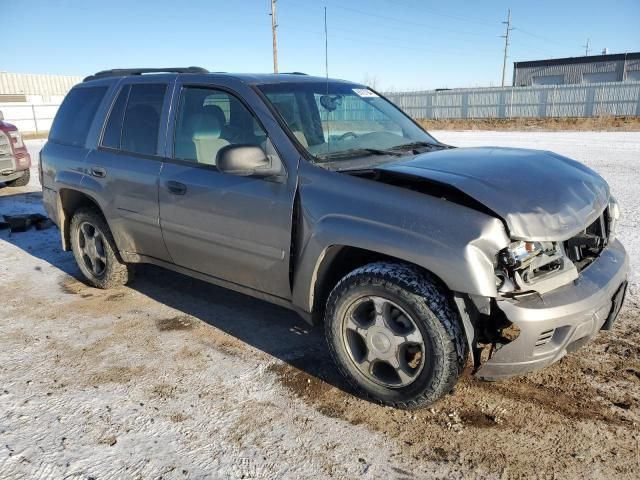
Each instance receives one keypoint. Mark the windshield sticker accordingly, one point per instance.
(365, 93)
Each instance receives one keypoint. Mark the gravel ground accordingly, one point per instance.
(175, 378)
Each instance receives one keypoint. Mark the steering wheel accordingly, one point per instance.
(346, 135)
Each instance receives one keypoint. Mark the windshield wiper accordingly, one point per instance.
(413, 145)
(356, 152)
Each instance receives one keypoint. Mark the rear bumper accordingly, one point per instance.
(563, 320)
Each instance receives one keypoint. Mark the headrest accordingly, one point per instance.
(217, 111)
(205, 123)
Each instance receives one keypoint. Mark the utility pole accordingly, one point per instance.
(506, 45)
(274, 26)
(586, 48)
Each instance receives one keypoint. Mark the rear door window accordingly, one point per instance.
(134, 121)
(74, 118)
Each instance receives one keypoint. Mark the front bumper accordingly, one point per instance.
(563, 320)
(13, 166)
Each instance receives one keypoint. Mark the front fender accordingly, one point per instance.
(467, 268)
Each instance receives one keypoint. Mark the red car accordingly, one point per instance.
(15, 160)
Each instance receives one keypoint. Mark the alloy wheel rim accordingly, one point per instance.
(91, 244)
(383, 341)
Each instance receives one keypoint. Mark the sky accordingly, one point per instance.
(390, 44)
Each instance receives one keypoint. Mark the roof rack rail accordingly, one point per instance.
(123, 72)
(295, 73)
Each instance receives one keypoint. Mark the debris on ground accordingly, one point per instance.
(22, 222)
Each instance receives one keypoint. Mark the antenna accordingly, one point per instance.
(506, 44)
(586, 48)
(326, 74)
(326, 49)
(274, 26)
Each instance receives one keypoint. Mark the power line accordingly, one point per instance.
(357, 40)
(440, 13)
(400, 20)
(506, 44)
(543, 38)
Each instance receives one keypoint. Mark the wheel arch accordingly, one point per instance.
(69, 201)
(339, 260)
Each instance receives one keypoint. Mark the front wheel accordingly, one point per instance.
(95, 251)
(394, 335)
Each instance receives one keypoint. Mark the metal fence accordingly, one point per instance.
(541, 101)
(590, 100)
(29, 117)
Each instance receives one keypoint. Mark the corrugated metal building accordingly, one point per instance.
(21, 87)
(621, 67)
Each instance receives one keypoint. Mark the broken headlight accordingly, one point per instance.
(519, 254)
(613, 216)
(532, 266)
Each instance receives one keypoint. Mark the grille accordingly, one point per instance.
(6, 153)
(545, 337)
(586, 246)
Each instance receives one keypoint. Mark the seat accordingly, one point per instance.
(206, 130)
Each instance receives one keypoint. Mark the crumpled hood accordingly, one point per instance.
(540, 195)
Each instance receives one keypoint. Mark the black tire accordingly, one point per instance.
(113, 272)
(20, 181)
(431, 312)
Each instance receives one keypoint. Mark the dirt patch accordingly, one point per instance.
(115, 374)
(110, 440)
(622, 124)
(479, 419)
(570, 408)
(164, 391)
(299, 382)
(116, 296)
(181, 322)
(73, 286)
(178, 417)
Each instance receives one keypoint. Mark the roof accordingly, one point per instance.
(572, 60)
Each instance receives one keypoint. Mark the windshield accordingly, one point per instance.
(338, 121)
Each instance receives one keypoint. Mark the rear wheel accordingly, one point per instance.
(394, 335)
(20, 181)
(95, 251)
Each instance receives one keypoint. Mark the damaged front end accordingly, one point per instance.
(541, 267)
(553, 296)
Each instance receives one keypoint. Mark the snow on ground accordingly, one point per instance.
(175, 378)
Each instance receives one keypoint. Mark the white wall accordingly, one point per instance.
(30, 117)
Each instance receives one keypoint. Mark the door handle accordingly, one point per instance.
(98, 172)
(176, 188)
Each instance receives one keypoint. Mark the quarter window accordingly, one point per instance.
(74, 118)
(209, 120)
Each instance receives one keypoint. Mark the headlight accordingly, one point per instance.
(613, 218)
(519, 254)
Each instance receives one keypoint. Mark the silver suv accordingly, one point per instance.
(322, 196)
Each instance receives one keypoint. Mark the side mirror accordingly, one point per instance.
(248, 160)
